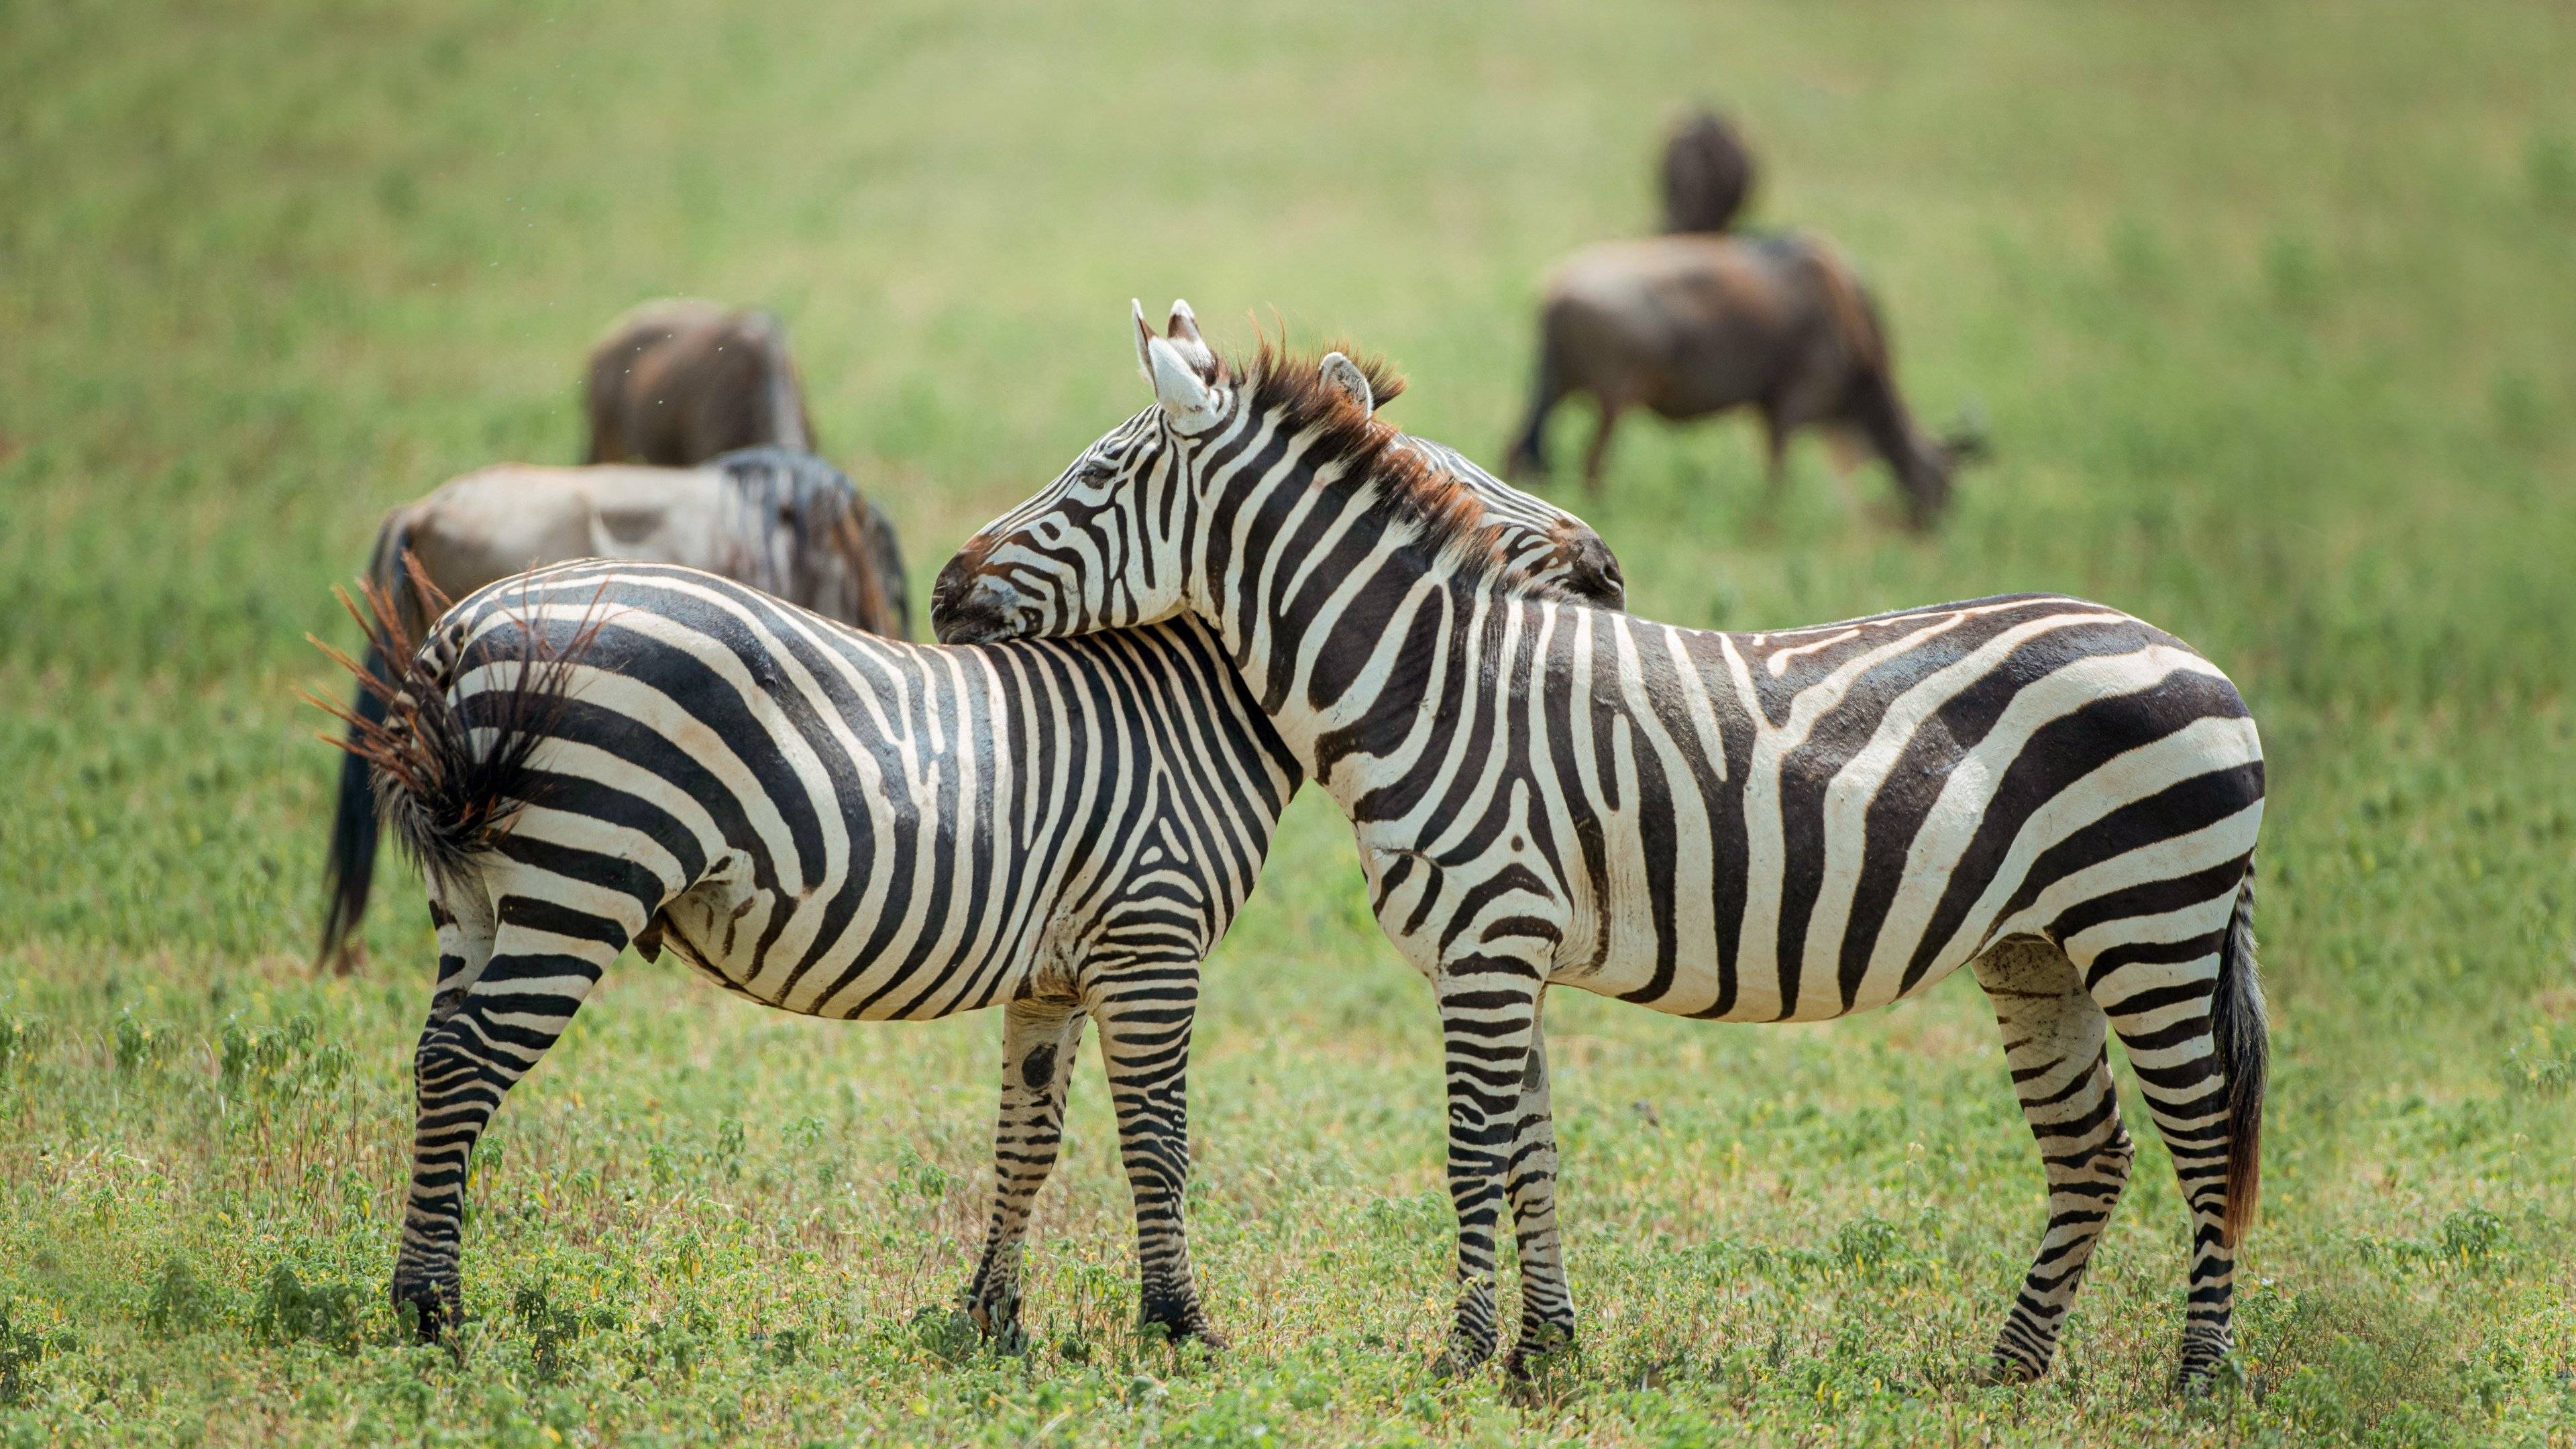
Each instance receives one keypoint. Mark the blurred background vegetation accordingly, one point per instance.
(2266, 306)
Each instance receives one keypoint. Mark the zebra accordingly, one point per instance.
(1779, 826)
(843, 825)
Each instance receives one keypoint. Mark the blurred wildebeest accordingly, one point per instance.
(1708, 173)
(781, 521)
(676, 382)
(1694, 325)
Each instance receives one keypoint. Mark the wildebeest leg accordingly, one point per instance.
(1775, 455)
(1145, 1015)
(1600, 449)
(1526, 459)
(1039, 1041)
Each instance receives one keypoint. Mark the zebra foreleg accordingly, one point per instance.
(1529, 1181)
(2054, 1040)
(1039, 1041)
(1488, 1023)
(1145, 1043)
(489, 1023)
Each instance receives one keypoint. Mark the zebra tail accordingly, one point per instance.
(350, 864)
(2244, 1048)
(443, 797)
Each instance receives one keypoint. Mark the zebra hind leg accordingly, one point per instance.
(497, 1010)
(1145, 1019)
(2194, 1033)
(1039, 1040)
(2055, 1040)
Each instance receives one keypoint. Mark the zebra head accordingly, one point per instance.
(1107, 545)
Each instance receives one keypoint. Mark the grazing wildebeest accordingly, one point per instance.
(781, 521)
(1708, 173)
(1694, 325)
(676, 382)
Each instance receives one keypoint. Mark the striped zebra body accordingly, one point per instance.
(846, 826)
(1743, 827)
(842, 825)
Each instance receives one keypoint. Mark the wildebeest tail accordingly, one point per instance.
(350, 865)
(2243, 1043)
(443, 796)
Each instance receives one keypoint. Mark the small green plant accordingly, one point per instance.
(2545, 1065)
(290, 1308)
(281, 1059)
(140, 1044)
(179, 1301)
(946, 1334)
(2472, 1236)
(555, 1331)
(678, 1340)
(19, 1037)
(918, 1178)
(1867, 1245)
(22, 1352)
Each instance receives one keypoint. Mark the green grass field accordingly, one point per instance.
(2268, 307)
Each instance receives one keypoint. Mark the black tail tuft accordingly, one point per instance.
(444, 799)
(2244, 1053)
(351, 864)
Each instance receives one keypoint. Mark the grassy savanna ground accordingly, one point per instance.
(2267, 308)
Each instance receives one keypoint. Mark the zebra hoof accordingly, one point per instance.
(2203, 1379)
(2007, 1370)
(428, 1309)
(1461, 1359)
(1176, 1318)
(1544, 1347)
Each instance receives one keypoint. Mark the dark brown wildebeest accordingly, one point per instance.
(781, 521)
(1694, 325)
(1708, 173)
(676, 382)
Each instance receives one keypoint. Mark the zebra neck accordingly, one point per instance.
(1328, 598)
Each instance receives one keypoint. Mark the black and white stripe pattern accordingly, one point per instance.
(837, 824)
(1778, 826)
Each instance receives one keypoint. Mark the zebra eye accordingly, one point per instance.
(1098, 471)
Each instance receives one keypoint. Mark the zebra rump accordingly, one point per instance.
(444, 799)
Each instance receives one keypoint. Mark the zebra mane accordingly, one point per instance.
(1443, 513)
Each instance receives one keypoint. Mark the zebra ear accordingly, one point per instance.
(1144, 337)
(1179, 388)
(1341, 372)
(1183, 332)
